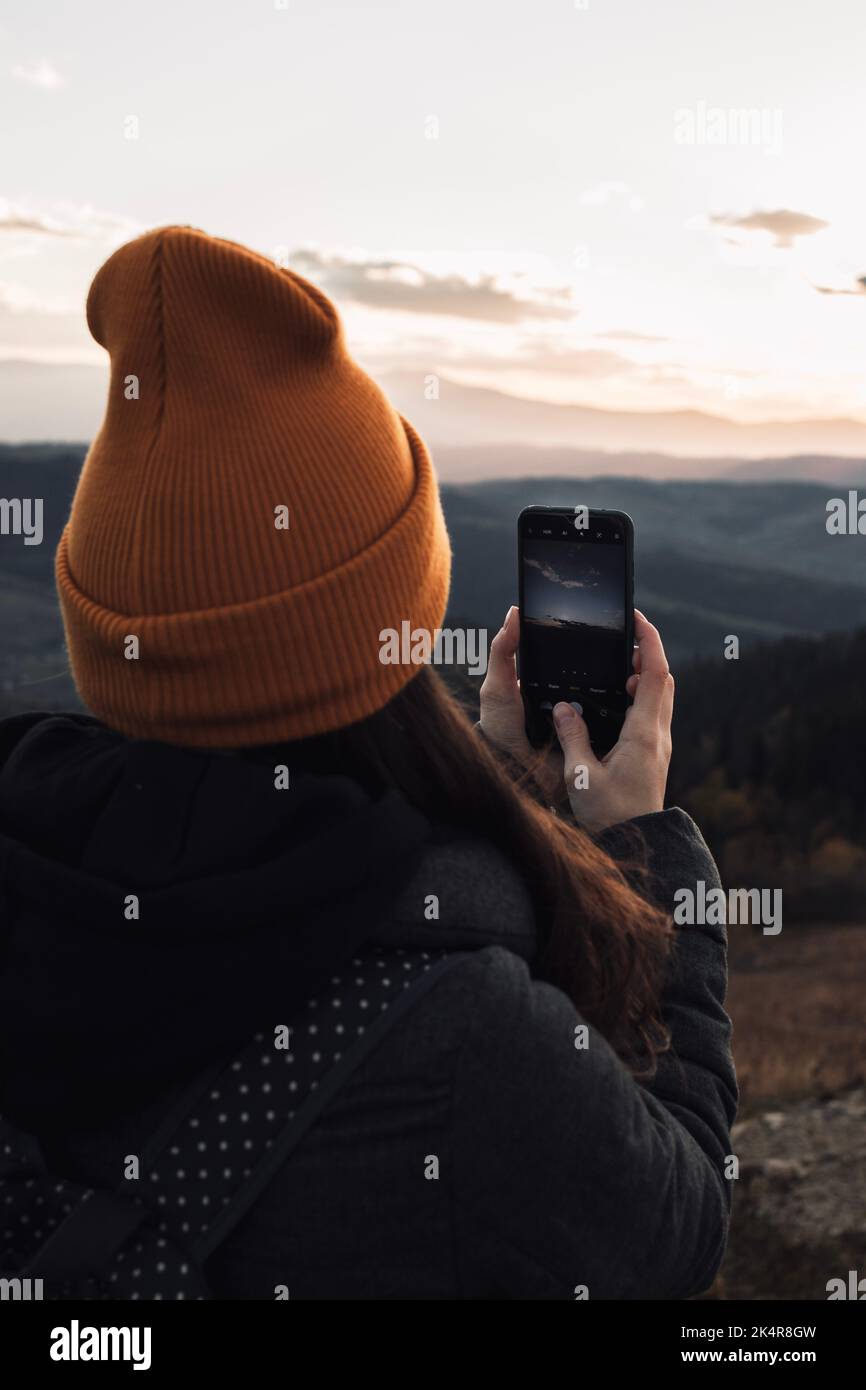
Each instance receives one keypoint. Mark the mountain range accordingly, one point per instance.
(517, 434)
(478, 433)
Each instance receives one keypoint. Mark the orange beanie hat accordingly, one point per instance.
(253, 512)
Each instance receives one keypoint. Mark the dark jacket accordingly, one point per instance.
(556, 1169)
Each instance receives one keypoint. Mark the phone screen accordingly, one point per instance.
(576, 619)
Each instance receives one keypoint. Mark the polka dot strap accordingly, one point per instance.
(211, 1158)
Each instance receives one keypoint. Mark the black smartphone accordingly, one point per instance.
(576, 586)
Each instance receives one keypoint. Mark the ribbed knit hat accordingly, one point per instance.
(232, 399)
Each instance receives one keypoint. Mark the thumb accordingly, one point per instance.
(573, 738)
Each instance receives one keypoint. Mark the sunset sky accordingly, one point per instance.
(558, 202)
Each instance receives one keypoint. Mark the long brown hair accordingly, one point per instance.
(599, 939)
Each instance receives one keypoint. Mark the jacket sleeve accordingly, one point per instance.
(568, 1174)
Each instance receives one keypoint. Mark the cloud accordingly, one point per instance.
(556, 578)
(506, 358)
(784, 225)
(40, 74)
(399, 285)
(858, 289)
(12, 221)
(574, 361)
(82, 223)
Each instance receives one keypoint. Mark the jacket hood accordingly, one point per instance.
(161, 905)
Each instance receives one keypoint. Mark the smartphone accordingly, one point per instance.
(576, 587)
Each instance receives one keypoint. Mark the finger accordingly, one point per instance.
(654, 672)
(635, 659)
(573, 738)
(666, 711)
(500, 680)
(662, 723)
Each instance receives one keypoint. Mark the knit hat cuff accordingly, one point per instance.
(263, 655)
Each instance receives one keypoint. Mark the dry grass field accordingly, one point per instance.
(798, 1004)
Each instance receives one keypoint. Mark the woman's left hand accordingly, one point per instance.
(503, 721)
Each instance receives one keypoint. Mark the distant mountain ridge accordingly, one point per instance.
(490, 463)
(458, 464)
(464, 417)
(66, 400)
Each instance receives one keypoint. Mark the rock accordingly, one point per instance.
(799, 1206)
(785, 1169)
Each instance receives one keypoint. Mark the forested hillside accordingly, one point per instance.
(769, 758)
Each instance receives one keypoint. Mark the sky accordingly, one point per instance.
(561, 201)
(574, 582)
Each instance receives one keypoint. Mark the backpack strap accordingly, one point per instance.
(93, 1248)
(321, 1094)
(87, 1238)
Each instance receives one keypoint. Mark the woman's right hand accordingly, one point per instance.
(630, 780)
